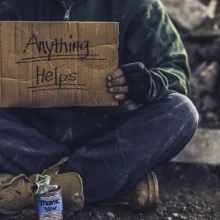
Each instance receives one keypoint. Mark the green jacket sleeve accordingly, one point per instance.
(153, 40)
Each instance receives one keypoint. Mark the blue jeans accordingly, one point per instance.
(116, 159)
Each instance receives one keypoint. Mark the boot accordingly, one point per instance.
(16, 195)
(143, 197)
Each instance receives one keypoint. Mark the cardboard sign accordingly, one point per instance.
(54, 64)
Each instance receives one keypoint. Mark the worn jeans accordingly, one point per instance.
(111, 162)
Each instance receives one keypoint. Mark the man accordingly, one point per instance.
(111, 151)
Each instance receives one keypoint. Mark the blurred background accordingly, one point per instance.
(198, 23)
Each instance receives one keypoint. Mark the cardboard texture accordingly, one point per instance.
(55, 64)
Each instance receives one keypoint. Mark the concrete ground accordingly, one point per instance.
(186, 192)
(203, 148)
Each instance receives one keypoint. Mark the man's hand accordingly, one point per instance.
(116, 83)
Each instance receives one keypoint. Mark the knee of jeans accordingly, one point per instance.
(4, 116)
(187, 111)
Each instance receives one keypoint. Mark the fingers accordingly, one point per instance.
(119, 90)
(120, 97)
(116, 74)
(117, 82)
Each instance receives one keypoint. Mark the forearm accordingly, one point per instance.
(155, 43)
(146, 85)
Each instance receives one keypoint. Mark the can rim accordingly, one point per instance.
(55, 193)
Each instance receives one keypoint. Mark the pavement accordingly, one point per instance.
(203, 148)
(187, 191)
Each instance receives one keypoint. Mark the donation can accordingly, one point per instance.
(49, 206)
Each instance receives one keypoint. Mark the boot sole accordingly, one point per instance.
(153, 190)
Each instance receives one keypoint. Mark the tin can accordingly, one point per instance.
(49, 206)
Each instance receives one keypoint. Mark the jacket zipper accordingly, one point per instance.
(68, 10)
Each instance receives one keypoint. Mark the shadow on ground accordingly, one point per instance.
(186, 192)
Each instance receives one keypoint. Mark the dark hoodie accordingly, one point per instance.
(146, 35)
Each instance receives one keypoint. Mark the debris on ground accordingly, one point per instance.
(111, 215)
(175, 214)
(190, 192)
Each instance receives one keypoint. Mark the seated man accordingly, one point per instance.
(109, 152)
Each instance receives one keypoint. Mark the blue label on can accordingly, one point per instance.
(52, 204)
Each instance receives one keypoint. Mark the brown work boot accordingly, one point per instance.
(143, 197)
(16, 195)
